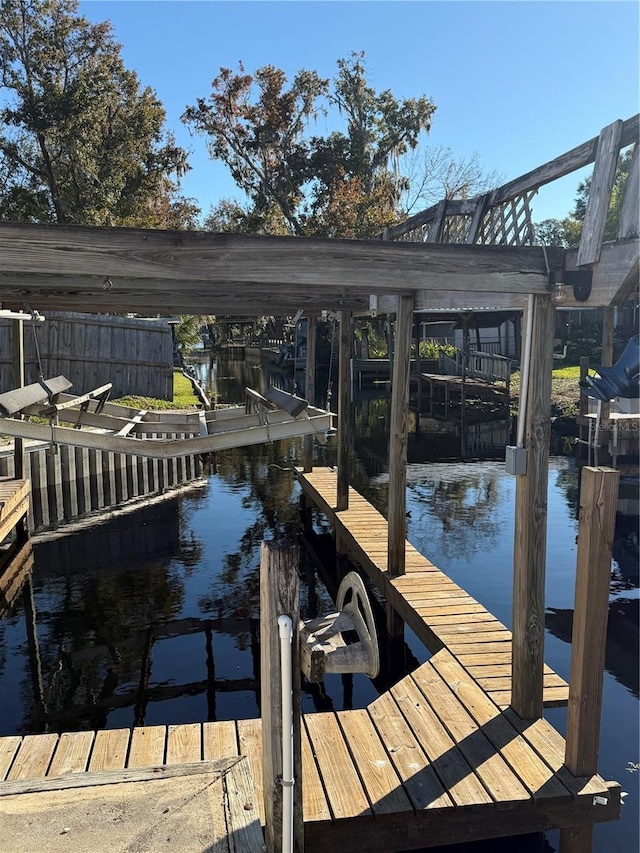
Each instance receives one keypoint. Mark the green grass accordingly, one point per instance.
(183, 397)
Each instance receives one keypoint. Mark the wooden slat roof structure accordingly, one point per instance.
(459, 254)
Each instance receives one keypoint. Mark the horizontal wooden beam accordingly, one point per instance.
(127, 269)
(611, 275)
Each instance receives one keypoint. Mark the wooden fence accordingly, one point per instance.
(135, 355)
(69, 482)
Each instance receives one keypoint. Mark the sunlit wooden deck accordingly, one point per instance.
(14, 504)
(432, 761)
(440, 612)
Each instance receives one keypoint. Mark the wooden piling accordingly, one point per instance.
(398, 436)
(531, 522)
(17, 381)
(279, 595)
(344, 411)
(310, 388)
(598, 499)
(607, 350)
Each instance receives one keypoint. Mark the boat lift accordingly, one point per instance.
(89, 420)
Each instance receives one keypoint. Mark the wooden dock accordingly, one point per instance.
(438, 611)
(14, 506)
(433, 761)
(453, 387)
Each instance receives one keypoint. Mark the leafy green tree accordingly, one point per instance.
(345, 184)
(568, 231)
(80, 140)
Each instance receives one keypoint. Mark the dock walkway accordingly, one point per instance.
(438, 611)
(432, 761)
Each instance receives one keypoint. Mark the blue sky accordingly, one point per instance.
(517, 82)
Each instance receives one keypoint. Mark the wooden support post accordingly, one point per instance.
(598, 499)
(531, 522)
(584, 370)
(344, 411)
(17, 381)
(607, 350)
(279, 596)
(310, 388)
(398, 435)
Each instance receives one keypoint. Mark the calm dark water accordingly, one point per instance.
(152, 616)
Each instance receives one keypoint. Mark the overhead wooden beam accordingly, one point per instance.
(612, 275)
(177, 260)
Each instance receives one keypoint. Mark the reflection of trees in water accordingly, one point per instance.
(102, 612)
(465, 508)
(263, 471)
(568, 483)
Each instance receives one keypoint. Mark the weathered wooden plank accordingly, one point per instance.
(331, 266)
(344, 790)
(424, 788)
(279, 595)
(458, 777)
(219, 740)
(599, 193)
(250, 743)
(147, 746)
(380, 780)
(184, 743)
(113, 777)
(72, 753)
(110, 750)
(8, 748)
(33, 758)
(243, 824)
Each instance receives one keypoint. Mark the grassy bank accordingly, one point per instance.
(565, 391)
(183, 397)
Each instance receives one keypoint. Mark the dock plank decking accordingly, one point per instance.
(432, 761)
(438, 611)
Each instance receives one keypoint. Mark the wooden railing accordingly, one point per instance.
(477, 365)
(503, 216)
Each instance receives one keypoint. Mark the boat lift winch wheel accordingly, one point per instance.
(353, 599)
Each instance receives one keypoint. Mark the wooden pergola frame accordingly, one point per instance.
(112, 270)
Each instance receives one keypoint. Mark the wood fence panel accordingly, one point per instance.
(135, 355)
